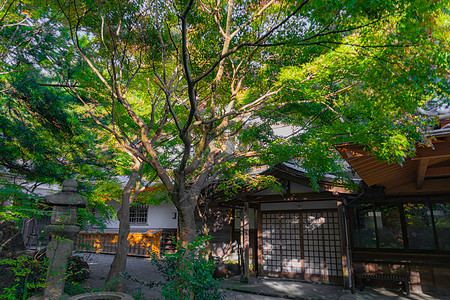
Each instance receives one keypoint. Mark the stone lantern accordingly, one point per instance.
(63, 231)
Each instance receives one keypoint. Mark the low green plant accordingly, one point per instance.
(73, 288)
(24, 276)
(137, 294)
(188, 272)
(77, 269)
(27, 275)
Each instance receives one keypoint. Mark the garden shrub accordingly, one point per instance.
(23, 276)
(77, 269)
(187, 271)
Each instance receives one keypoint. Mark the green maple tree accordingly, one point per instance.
(192, 90)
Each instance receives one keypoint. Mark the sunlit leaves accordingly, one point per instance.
(235, 184)
(17, 205)
(154, 195)
(363, 91)
(336, 71)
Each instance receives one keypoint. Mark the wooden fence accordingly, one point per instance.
(139, 244)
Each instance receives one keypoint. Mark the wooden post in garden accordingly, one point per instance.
(246, 244)
(241, 245)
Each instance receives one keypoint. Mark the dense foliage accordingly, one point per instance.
(22, 277)
(187, 272)
(196, 91)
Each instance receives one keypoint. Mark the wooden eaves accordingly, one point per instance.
(328, 189)
(427, 172)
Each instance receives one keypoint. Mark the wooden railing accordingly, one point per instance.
(139, 244)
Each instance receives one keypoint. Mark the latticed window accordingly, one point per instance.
(138, 214)
(412, 225)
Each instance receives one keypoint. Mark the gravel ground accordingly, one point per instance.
(235, 295)
(142, 269)
(139, 268)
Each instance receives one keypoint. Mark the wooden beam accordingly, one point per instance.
(421, 171)
(430, 186)
(441, 149)
(357, 152)
(437, 171)
(325, 195)
(435, 161)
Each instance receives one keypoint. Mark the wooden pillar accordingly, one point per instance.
(241, 245)
(344, 246)
(258, 255)
(246, 244)
(347, 266)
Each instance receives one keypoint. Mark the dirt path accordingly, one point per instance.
(139, 268)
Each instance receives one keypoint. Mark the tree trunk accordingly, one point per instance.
(186, 221)
(186, 205)
(120, 258)
(205, 229)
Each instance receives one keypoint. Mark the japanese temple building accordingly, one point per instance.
(396, 224)
(297, 233)
(402, 224)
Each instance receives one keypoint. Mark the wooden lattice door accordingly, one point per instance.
(303, 245)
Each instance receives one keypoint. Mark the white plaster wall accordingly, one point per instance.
(162, 216)
(158, 217)
(42, 190)
(113, 224)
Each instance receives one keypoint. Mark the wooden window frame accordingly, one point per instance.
(138, 214)
(400, 205)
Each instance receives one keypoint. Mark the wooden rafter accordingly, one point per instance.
(438, 172)
(440, 150)
(419, 174)
(421, 171)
